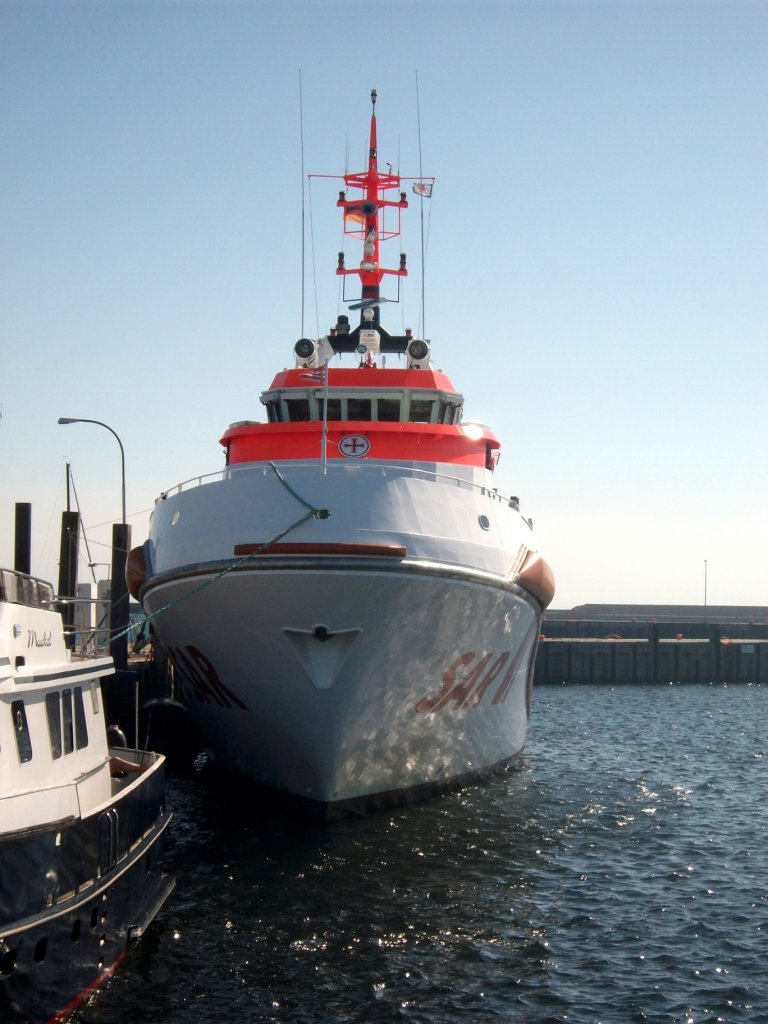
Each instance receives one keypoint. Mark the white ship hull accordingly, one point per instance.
(336, 685)
(347, 678)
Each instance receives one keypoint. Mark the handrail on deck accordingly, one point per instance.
(370, 467)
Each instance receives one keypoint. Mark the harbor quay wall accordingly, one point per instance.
(617, 651)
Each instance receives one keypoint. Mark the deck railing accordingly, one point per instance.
(379, 468)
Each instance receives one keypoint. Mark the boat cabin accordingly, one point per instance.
(368, 395)
(399, 415)
(52, 731)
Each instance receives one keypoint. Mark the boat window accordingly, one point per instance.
(9, 587)
(358, 408)
(18, 589)
(334, 409)
(21, 729)
(446, 413)
(389, 410)
(66, 715)
(81, 728)
(298, 409)
(53, 710)
(273, 412)
(420, 411)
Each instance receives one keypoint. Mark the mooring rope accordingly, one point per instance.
(313, 513)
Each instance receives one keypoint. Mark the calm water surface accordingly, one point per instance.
(619, 874)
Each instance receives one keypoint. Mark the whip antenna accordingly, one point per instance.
(301, 138)
(421, 211)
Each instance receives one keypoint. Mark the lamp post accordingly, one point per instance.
(121, 541)
(63, 420)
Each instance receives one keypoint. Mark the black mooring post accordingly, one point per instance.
(70, 538)
(22, 555)
(118, 616)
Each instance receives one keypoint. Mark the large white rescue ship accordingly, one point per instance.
(351, 607)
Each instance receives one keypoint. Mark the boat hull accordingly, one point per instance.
(74, 896)
(349, 682)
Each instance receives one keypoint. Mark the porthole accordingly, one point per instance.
(175, 517)
(8, 961)
(485, 522)
(41, 948)
(76, 930)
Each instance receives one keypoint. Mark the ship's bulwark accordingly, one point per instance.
(337, 686)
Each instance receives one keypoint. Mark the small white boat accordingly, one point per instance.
(351, 606)
(80, 824)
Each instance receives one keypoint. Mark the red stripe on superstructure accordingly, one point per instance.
(369, 377)
(389, 442)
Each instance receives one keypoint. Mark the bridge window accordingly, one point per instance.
(298, 409)
(358, 408)
(420, 411)
(273, 412)
(447, 412)
(334, 409)
(389, 410)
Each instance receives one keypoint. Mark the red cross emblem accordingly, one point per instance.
(354, 446)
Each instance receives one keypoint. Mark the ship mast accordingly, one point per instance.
(365, 208)
(364, 220)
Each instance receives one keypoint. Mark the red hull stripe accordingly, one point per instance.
(371, 550)
(102, 979)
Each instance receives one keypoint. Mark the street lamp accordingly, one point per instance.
(63, 420)
(121, 542)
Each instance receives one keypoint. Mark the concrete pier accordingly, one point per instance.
(618, 644)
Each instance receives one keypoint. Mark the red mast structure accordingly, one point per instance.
(366, 213)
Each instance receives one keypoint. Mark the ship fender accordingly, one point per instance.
(168, 729)
(135, 572)
(537, 578)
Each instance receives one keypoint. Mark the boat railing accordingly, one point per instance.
(19, 588)
(379, 468)
(86, 625)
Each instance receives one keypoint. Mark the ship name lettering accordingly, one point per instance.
(35, 639)
(469, 679)
(196, 672)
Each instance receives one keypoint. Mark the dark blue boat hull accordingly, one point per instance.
(73, 896)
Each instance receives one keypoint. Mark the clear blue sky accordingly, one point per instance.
(597, 268)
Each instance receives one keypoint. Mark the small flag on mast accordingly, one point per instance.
(423, 188)
(316, 376)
